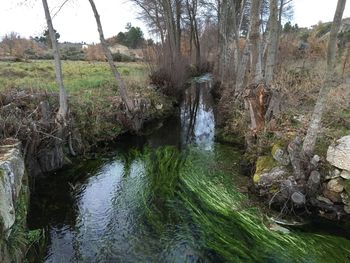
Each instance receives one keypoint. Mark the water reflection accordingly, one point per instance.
(103, 222)
(197, 116)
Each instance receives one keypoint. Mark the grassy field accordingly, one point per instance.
(79, 76)
(93, 92)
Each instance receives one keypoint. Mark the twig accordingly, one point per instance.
(59, 9)
(50, 135)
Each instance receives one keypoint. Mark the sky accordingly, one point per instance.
(76, 23)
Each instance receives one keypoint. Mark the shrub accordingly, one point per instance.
(322, 29)
(119, 57)
(72, 53)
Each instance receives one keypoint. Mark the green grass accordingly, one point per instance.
(206, 200)
(78, 75)
(93, 93)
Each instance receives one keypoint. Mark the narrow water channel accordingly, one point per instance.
(168, 197)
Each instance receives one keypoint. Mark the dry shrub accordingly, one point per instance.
(95, 53)
(168, 74)
(288, 48)
(29, 116)
(317, 48)
(346, 61)
(299, 86)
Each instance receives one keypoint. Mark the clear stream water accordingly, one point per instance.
(171, 196)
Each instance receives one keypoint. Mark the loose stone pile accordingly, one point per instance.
(284, 179)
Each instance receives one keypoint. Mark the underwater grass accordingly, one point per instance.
(237, 233)
(204, 203)
(162, 170)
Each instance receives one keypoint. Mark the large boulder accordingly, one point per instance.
(338, 154)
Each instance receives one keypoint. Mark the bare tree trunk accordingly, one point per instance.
(63, 109)
(178, 5)
(122, 88)
(272, 44)
(196, 39)
(222, 39)
(241, 15)
(194, 34)
(228, 41)
(315, 122)
(254, 42)
(161, 30)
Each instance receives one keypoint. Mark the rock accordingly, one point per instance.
(286, 189)
(315, 160)
(333, 174)
(298, 198)
(280, 155)
(294, 150)
(11, 174)
(278, 228)
(272, 176)
(338, 154)
(263, 164)
(345, 198)
(159, 106)
(347, 186)
(345, 174)
(336, 185)
(347, 209)
(314, 180)
(333, 196)
(324, 200)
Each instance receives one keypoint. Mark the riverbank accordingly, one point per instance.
(28, 106)
(278, 171)
(29, 102)
(172, 195)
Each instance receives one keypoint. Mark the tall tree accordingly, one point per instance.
(330, 77)
(272, 42)
(254, 42)
(152, 14)
(122, 88)
(46, 39)
(192, 8)
(63, 109)
(228, 41)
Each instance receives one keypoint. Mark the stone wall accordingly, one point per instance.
(13, 201)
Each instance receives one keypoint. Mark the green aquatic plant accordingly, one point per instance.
(236, 232)
(189, 192)
(162, 169)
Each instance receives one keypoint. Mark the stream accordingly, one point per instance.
(171, 196)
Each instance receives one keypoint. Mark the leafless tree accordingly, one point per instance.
(272, 42)
(255, 42)
(192, 10)
(63, 109)
(108, 54)
(329, 82)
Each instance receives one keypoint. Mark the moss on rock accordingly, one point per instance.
(264, 163)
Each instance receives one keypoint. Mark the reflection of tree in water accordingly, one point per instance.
(197, 115)
(189, 114)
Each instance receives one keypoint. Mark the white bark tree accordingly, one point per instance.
(121, 85)
(254, 42)
(63, 100)
(329, 82)
(272, 42)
